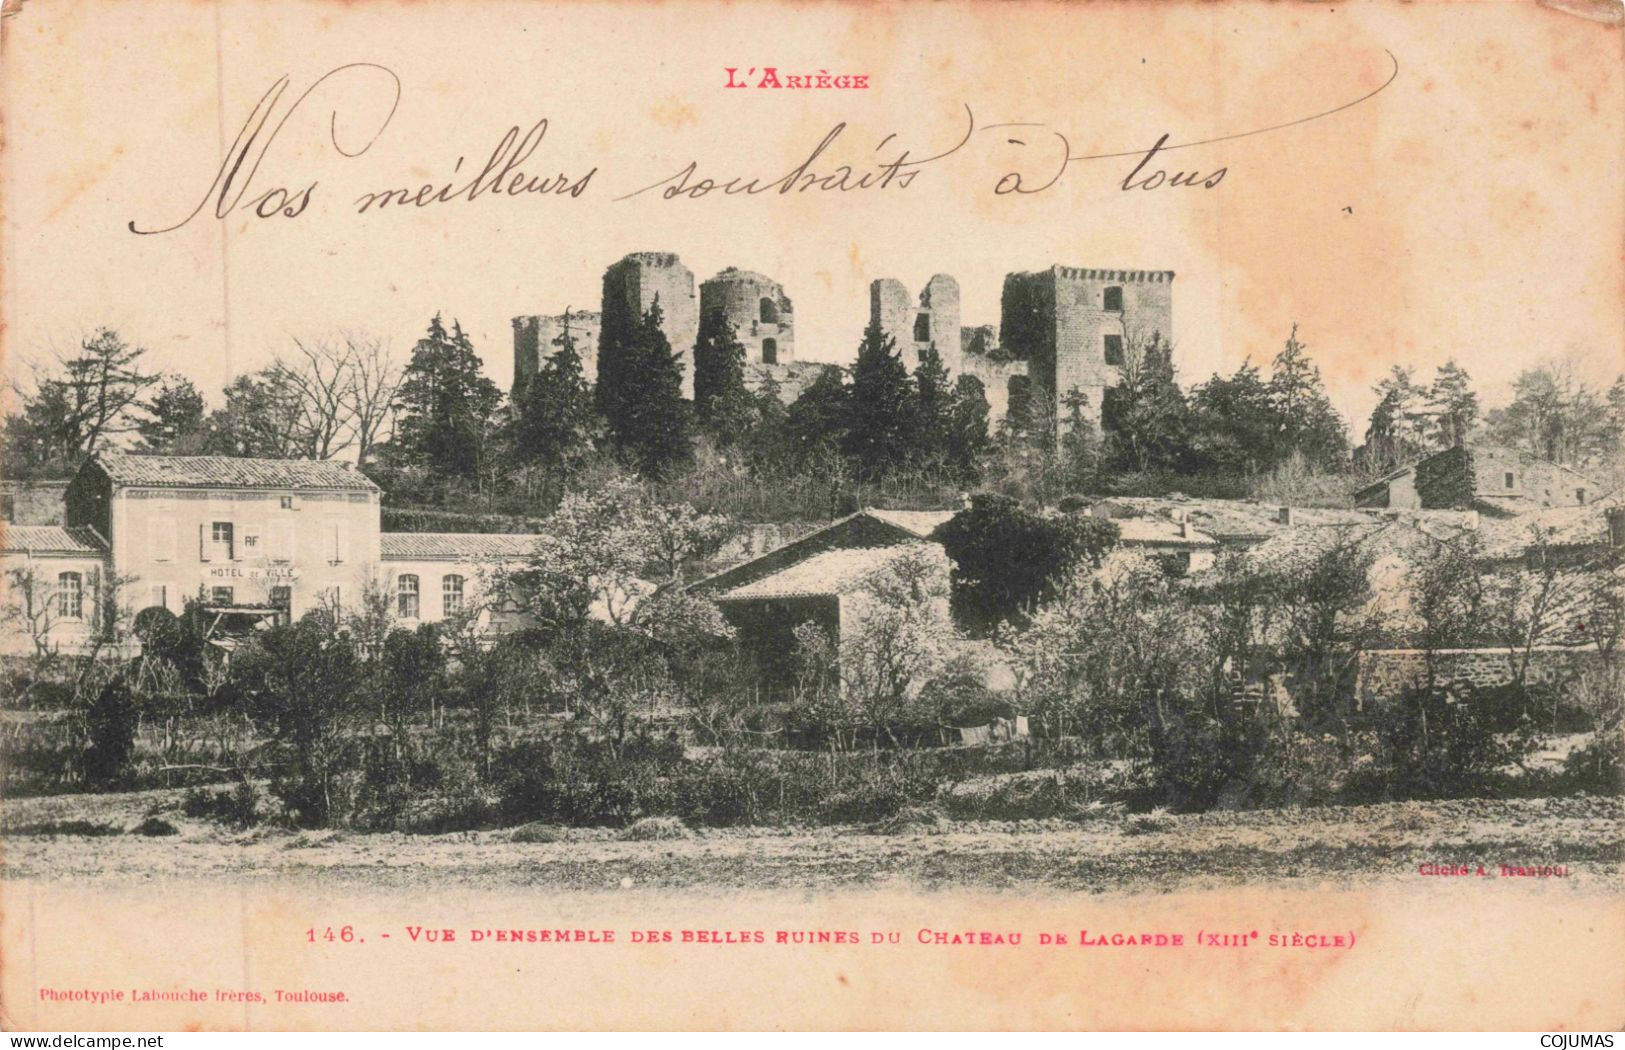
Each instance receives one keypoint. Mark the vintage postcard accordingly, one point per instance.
(855, 515)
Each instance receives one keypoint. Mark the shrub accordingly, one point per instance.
(652, 828)
(1594, 767)
(110, 726)
(237, 808)
(1436, 744)
(155, 826)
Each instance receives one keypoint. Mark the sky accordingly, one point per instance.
(1468, 207)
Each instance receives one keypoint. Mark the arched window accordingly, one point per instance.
(770, 351)
(406, 597)
(1112, 299)
(451, 594)
(70, 596)
(769, 313)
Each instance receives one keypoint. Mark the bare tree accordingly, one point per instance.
(322, 376)
(376, 376)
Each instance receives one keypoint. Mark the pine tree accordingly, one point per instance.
(933, 409)
(448, 408)
(722, 404)
(557, 418)
(880, 408)
(968, 442)
(1145, 418)
(1454, 406)
(1305, 421)
(174, 423)
(814, 424)
(647, 417)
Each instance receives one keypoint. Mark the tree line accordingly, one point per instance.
(436, 430)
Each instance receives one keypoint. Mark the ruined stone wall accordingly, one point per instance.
(630, 288)
(762, 316)
(533, 338)
(933, 320)
(1382, 674)
(1066, 321)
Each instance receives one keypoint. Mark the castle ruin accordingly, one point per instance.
(1075, 328)
(631, 287)
(535, 339)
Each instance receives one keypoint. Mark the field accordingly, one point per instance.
(90, 838)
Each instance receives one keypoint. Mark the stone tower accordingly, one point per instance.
(761, 314)
(533, 337)
(933, 320)
(631, 286)
(1075, 327)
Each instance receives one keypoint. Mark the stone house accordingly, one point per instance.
(1493, 478)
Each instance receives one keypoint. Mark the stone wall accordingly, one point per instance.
(1382, 673)
(533, 343)
(632, 285)
(762, 316)
(933, 321)
(34, 502)
(1064, 319)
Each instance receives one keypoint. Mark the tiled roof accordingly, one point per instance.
(831, 572)
(919, 522)
(1555, 526)
(1225, 518)
(1156, 532)
(458, 546)
(52, 539)
(232, 471)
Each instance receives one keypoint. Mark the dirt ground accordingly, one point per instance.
(91, 838)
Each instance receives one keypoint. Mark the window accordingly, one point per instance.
(282, 598)
(8, 507)
(406, 597)
(70, 596)
(220, 596)
(922, 328)
(769, 311)
(287, 502)
(1511, 480)
(1114, 349)
(451, 595)
(1580, 496)
(1112, 300)
(160, 595)
(770, 351)
(220, 538)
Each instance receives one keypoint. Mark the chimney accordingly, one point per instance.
(1184, 529)
(1284, 516)
(1616, 527)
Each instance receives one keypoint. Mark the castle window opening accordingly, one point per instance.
(769, 311)
(1113, 349)
(922, 328)
(451, 595)
(1112, 300)
(1580, 496)
(1511, 480)
(406, 597)
(70, 596)
(770, 351)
